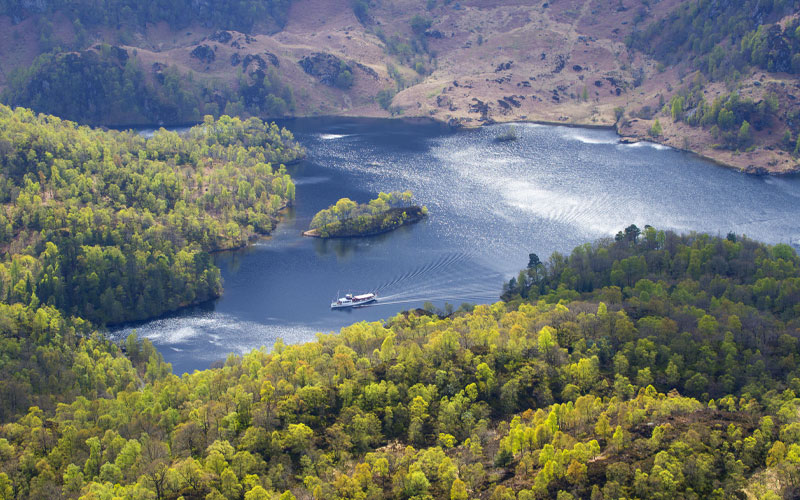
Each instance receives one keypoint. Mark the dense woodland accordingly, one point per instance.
(101, 227)
(652, 365)
(722, 38)
(347, 218)
(239, 15)
(106, 85)
(111, 226)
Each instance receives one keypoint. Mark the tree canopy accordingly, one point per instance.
(105, 85)
(111, 226)
(723, 38)
(653, 365)
(240, 15)
(347, 218)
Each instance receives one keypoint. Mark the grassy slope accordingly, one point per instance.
(585, 33)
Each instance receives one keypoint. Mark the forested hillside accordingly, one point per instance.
(111, 226)
(722, 37)
(105, 85)
(730, 46)
(650, 366)
(241, 15)
(106, 226)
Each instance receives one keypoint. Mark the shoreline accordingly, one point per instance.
(634, 139)
(624, 138)
(108, 327)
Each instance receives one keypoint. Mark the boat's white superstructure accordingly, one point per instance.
(351, 300)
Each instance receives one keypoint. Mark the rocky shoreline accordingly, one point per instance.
(719, 157)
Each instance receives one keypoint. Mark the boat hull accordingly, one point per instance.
(353, 303)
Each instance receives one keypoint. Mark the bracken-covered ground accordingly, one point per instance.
(563, 61)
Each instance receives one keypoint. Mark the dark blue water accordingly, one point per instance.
(490, 205)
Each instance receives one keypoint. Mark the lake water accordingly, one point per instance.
(491, 203)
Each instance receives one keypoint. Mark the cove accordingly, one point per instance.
(490, 204)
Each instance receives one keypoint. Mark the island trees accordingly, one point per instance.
(347, 218)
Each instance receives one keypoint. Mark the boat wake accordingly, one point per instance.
(443, 263)
(452, 277)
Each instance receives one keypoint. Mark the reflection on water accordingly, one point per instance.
(346, 248)
(491, 203)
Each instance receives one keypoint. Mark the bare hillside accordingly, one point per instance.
(469, 63)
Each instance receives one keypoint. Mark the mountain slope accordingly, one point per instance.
(588, 62)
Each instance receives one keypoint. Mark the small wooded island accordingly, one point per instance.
(347, 219)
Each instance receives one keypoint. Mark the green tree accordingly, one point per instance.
(745, 136)
(655, 129)
(419, 24)
(458, 491)
(677, 108)
(257, 493)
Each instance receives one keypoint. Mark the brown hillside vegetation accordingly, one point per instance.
(563, 61)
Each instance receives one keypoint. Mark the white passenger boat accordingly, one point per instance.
(351, 300)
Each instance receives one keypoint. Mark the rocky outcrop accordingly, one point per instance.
(478, 106)
(221, 36)
(273, 59)
(253, 62)
(204, 53)
(561, 61)
(504, 66)
(328, 69)
(756, 170)
(158, 71)
(366, 69)
(118, 53)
